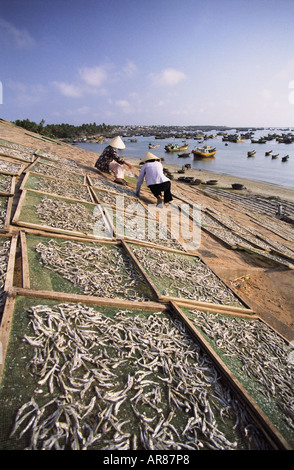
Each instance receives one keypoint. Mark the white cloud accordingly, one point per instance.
(266, 94)
(125, 106)
(167, 77)
(129, 69)
(68, 89)
(93, 76)
(19, 37)
(27, 95)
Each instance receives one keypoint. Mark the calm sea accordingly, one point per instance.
(230, 159)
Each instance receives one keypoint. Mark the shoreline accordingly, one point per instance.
(224, 180)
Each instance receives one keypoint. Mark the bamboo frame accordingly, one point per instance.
(15, 157)
(26, 267)
(151, 244)
(16, 219)
(25, 149)
(213, 308)
(274, 436)
(99, 201)
(260, 252)
(12, 186)
(11, 262)
(60, 160)
(188, 301)
(5, 327)
(8, 215)
(270, 250)
(18, 173)
(32, 165)
(254, 251)
(28, 174)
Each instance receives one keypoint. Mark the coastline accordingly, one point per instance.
(225, 181)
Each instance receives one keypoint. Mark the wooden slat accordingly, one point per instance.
(5, 227)
(76, 298)
(25, 262)
(5, 328)
(11, 263)
(210, 307)
(27, 175)
(274, 436)
(142, 271)
(16, 219)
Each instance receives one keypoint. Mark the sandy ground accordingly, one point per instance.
(266, 287)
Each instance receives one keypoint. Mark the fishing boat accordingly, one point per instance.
(268, 153)
(204, 152)
(153, 146)
(183, 155)
(261, 140)
(285, 159)
(176, 147)
(251, 153)
(275, 156)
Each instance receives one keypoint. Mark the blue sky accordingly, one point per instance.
(148, 62)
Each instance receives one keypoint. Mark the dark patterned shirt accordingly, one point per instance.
(108, 154)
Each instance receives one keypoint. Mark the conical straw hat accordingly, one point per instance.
(149, 156)
(117, 143)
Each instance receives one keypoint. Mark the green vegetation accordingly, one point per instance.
(63, 131)
(274, 198)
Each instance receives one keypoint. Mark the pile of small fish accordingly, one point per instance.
(261, 352)
(16, 153)
(62, 188)
(50, 170)
(5, 183)
(9, 167)
(4, 256)
(115, 199)
(184, 276)
(63, 163)
(13, 145)
(65, 215)
(283, 229)
(3, 211)
(124, 381)
(109, 185)
(245, 238)
(99, 270)
(60, 160)
(252, 235)
(146, 229)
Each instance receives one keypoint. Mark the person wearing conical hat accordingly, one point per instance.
(110, 161)
(157, 182)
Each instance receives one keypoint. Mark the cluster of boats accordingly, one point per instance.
(200, 152)
(267, 154)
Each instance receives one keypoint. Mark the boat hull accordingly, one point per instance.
(198, 154)
(178, 149)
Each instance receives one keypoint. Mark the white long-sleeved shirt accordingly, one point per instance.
(153, 174)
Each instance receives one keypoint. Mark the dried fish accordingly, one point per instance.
(183, 276)
(112, 410)
(100, 270)
(60, 188)
(9, 151)
(9, 167)
(261, 354)
(55, 172)
(68, 216)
